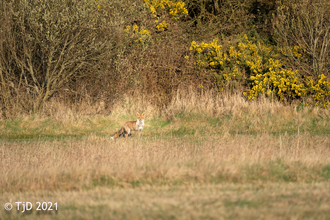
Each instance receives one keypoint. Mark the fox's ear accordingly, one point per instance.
(143, 114)
(137, 114)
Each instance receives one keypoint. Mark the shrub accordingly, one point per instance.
(138, 35)
(261, 67)
(175, 9)
(161, 8)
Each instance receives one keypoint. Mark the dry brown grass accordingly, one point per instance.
(222, 201)
(67, 165)
(196, 159)
(186, 100)
(218, 177)
(216, 104)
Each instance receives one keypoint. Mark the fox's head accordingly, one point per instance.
(140, 116)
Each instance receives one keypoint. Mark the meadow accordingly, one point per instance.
(205, 156)
(236, 95)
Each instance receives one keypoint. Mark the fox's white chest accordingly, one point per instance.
(139, 124)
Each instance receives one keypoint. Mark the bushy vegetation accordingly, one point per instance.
(261, 68)
(100, 50)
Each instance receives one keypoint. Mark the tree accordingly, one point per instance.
(45, 44)
(305, 23)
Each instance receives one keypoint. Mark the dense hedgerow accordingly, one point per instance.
(102, 49)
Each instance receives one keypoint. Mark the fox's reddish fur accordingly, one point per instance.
(131, 126)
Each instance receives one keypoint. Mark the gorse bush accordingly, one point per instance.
(162, 26)
(319, 90)
(175, 8)
(260, 66)
(161, 9)
(138, 35)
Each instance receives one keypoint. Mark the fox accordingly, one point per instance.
(130, 126)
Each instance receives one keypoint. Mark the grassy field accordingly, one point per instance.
(239, 160)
